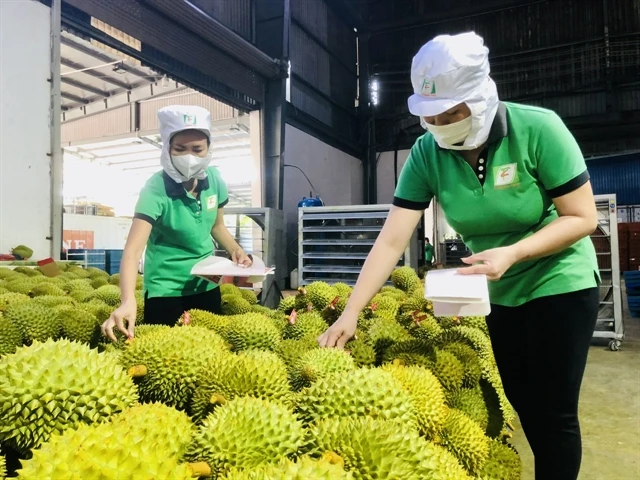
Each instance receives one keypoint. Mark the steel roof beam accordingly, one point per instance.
(74, 98)
(84, 86)
(103, 57)
(92, 73)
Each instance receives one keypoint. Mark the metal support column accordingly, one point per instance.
(55, 155)
(273, 23)
(367, 120)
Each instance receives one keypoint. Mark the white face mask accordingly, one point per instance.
(190, 166)
(448, 135)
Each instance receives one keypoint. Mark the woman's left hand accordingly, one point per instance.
(493, 263)
(240, 257)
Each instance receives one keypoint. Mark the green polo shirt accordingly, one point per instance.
(181, 232)
(530, 158)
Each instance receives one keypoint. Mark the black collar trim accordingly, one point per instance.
(175, 189)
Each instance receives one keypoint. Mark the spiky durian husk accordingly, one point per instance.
(330, 467)
(79, 325)
(466, 440)
(362, 392)
(202, 318)
(270, 432)
(287, 304)
(255, 373)
(10, 336)
(471, 402)
(291, 350)
(36, 323)
(305, 324)
(172, 359)
(230, 289)
(109, 294)
(145, 441)
(503, 463)
(318, 363)
(405, 278)
(11, 298)
(364, 355)
(376, 449)
(52, 301)
(68, 384)
(252, 330)
(249, 295)
(234, 305)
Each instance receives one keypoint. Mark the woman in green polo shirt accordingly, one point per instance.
(512, 181)
(178, 212)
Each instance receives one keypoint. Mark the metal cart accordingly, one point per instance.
(333, 242)
(605, 239)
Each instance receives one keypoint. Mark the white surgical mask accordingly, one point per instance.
(190, 166)
(448, 135)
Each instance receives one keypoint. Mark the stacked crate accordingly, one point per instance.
(632, 285)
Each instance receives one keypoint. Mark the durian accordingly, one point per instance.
(270, 432)
(10, 336)
(22, 251)
(47, 289)
(67, 384)
(166, 362)
(466, 440)
(318, 363)
(252, 330)
(249, 296)
(34, 321)
(255, 373)
(305, 324)
(405, 278)
(79, 325)
(109, 294)
(234, 305)
(329, 467)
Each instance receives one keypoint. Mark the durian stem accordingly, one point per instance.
(200, 469)
(137, 371)
(333, 458)
(511, 427)
(217, 399)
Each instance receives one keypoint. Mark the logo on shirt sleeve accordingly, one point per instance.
(212, 202)
(505, 175)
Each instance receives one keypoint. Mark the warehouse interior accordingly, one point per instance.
(310, 132)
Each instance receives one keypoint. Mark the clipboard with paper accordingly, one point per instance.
(454, 294)
(223, 267)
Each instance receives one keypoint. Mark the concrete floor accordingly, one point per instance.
(609, 412)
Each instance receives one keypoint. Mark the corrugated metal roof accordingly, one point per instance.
(619, 175)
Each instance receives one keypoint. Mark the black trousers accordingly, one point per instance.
(541, 350)
(167, 310)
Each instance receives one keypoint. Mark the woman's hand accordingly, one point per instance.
(493, 263)
(340, 332)
(127, 311)
(240, 257)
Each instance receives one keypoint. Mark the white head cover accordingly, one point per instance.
(174, 119)
(454, 69)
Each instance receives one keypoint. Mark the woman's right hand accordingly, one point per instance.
(340, 332)
(127, 311)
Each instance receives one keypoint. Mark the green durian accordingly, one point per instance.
(318, 294)
(67, 384)
(48, 289)
(262, 309)
(11, 298)
(10, 336)
(304, 468)
(379, 449)
(255, 373)
(318, 363)
(291, 350)
(115, 279)
(476, 322)
(3, 467)
(230, 289)
(79, 325)
(28, 271)
(270, 432)
(252, 330)
(425, 327)
(405, 278)
(342, 289)
(287, 304)
(249, 296)
(305, 324)
(427, 395)
(101, 310)
(362, 392)
(234, 305)
(466, 440)
(362, 353)
(109, 294)
(503, 463)
(202, 318)
(52, 301)
(144, 442)
(34, 321)
(471, 402)
(383, 333)
(98, 282)
(22, 251)
(469, 360)
(166, 362)
(22, 285)
(448, 369)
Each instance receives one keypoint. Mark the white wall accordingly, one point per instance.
(337, 175)
(25, 185)
(108, 232)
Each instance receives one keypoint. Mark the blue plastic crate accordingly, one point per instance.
(113, 259)
(632, 278)
(92, 257)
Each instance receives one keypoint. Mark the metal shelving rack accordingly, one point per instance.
(333, 242)
(605, 239)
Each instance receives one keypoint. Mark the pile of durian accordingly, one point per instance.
(248, 395)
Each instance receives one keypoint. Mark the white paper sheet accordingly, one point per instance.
(223, 267)
(454, 294)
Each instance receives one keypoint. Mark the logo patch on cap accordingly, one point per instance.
(190, 120)
(428, 88)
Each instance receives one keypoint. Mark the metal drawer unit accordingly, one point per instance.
(333, 242)
(605, 239)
